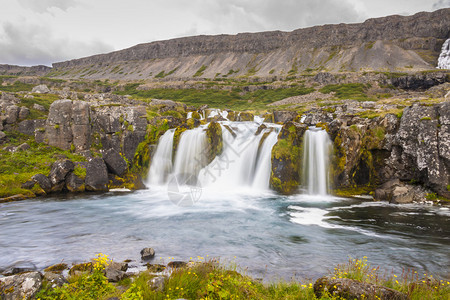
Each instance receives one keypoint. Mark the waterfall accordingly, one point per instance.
(316, 156)
(161, 165)
(444, 57)
(190, 157)
(245, 161)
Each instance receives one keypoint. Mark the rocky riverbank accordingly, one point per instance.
(103, 278)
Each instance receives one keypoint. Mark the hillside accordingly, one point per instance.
(393, 43)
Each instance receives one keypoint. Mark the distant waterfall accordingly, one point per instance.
(444, 57)
(161, 165)
(316, 158)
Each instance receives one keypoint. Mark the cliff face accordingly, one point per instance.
(389, 43)
(24, 71)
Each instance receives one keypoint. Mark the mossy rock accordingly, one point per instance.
(58, 268)
(268, 117)
(128, 181)
(231, 116)
(177, 137)
(196, 115)
(215, 140)
(81, 268)
(287, 158)
(246, 116)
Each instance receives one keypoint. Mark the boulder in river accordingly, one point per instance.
(147, 253)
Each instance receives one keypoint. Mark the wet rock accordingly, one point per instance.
(157, 283)
(155, 268)
(147, 253)
(23, 286)
(74, 183)
(41, 89)
(81, 268)
(286, 158)
(131, 140)
(58, 268)
(19, 267)
(115, 162)
(58, 173)
(260, 128)
(55, 279)
(245, 117)
(351, 289)
(383, 193)
(24, 112)
(176, 264)
(214, 140)
(401, 195)
(96, 175)
(43, 182)
(116, 271)
(283, 116)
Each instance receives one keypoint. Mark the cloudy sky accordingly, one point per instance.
(44, 31)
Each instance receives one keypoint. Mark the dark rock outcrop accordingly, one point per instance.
(96, 175)
(58, 173)
(74, 183)
(115, 162)
(43, 182)
(147, 253)
(283, 116)
(214, 140)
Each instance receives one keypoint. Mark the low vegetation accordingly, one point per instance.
(212, 280)
(20, 165)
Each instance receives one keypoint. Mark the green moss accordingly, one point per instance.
(58, 268)
(356, 91)
(177, 137)
(196, 115)
(80, 172)
(425, 119)
(200, 71)
(214, 139)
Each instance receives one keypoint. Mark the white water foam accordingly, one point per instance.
(444, 57)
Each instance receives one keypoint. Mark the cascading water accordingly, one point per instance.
(161, 165)
(316, 156)
(190, 157)
(444, 57)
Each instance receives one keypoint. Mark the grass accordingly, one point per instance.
(212, 280)
(200, 71)
(219, 98)
(353, 91)
(18, 167)
(17, 86)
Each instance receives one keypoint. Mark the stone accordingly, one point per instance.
(345, 288)
(286, 158)
(24, 113)
(157, 283)
(19, 267)
(176, 264)
(115, 162)
(280, 116)
(40, 89)
(131, 140)
(2, 137)
(59, 171)
(28, 185)
(27, 127)
(147, 253)
(74, 183)
(245, 117)
(55, 279)
(22, 286)
(23, 147)
(214, 141)
(155, 268)
(116, 271)
(38, 107)
(43, 182)
(12, 114)
(401, 195)
(58, 128)
(96, 175)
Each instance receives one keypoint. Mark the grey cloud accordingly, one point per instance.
(41, 6)
(441, 4)
(31, 44)
(257, 15)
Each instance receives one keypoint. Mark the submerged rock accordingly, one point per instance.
(147, 253)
